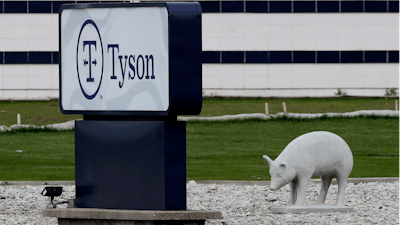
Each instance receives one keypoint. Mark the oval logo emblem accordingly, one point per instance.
(89, 59)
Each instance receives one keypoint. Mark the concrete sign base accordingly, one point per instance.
(75, 216)
(312, 209)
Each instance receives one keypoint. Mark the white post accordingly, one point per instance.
(266, 109)
(284, 107)
(18, 119)
(396, 105)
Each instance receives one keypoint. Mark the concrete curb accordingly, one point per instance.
(221, 182)
(135, 215)
(37, 183)
(312, 181)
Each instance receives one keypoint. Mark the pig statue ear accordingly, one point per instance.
(282, 164)
(267, 159)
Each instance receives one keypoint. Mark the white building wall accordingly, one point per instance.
(29, 81)
(300, 31)
(298, 80)
(238, 31)
(28, 32)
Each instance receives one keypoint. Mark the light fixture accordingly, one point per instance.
(52, 192)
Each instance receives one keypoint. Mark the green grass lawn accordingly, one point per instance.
(216, 150)
(45, 156)
(33, 112)
(48, 112)
(233, 150)
(219, 107)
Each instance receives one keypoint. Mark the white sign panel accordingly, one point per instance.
(114, 59)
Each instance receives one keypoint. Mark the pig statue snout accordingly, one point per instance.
(273, 188)
(280, 172)
(318, 153)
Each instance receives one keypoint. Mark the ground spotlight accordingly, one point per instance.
(52, 192)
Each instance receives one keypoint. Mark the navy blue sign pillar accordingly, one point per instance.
(130, 165)
(131, 159)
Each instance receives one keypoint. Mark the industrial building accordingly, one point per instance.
(250, 48)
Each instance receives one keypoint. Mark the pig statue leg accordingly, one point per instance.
(302, 184)
(293, 192)
(342, 182)
(325, 183)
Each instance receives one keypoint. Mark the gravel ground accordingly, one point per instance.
(375, 203)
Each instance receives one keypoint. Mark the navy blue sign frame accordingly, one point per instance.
(185, 64)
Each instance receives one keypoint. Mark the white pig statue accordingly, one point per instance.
(318, 153)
